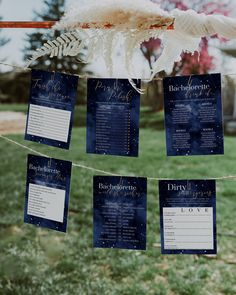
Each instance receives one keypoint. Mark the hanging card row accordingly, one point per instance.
(193, 114)
(187, 208)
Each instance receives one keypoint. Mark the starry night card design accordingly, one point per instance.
(119, 212)
(113, 107)
(47, 192)
(188, 216)
(193, 115)
(51, 107)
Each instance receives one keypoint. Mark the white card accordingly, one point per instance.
(46, 202)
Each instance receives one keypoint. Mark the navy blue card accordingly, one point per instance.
(51, 107)
(119, 212)
(113, 108)
(47, 192)
(188, 216)
(193, 115)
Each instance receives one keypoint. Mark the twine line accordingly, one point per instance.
(104, 171)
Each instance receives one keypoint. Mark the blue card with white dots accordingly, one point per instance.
(47, 192)
(193, 115)
(119, 212)
(51, 106)
(113, 108)
(188, 216)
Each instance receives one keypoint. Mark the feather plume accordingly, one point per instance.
(130, 21)
(67, 44)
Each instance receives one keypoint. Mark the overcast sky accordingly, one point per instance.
(16, 10)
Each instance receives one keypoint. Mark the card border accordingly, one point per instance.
(189, 251)
(44, 222)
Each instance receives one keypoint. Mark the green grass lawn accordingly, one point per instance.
(41, 262)
(148, 118)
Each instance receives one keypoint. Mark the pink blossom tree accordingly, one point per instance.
(190, 64)
(198, 63)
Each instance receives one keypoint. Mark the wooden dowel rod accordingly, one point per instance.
(26, 24)
(49, 24)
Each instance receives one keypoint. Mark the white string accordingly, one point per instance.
(23, 146)
(46, 156)
(132, 83)
(80, 76)
(87, 77)
(15, 66)
(91, 168)
(139, 90)
(104, 171)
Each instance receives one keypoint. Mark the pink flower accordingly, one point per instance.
(196, 63)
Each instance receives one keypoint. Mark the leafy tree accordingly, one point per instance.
(53, 10)
(3, 40)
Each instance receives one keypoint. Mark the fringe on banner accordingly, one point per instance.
(130, 20)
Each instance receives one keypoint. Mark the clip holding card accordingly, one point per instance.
(50, 163)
